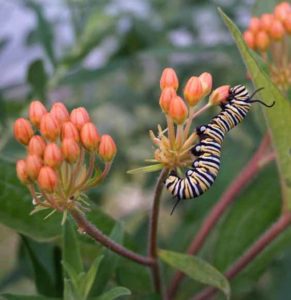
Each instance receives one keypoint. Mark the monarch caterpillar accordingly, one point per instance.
(205, 167)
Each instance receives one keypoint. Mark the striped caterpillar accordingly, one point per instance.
(205, 167)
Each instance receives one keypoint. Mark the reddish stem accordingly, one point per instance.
(153, 231)
(246, 175)
(97, 235)
(282, 223)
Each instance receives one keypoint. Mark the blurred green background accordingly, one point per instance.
(108, 56)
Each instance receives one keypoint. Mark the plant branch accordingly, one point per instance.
(153, 230)
(273, 232)
(259, 159)
(87, 227)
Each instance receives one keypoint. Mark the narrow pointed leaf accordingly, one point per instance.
(147, 169)
(197, 269)
(71, 248)
(44, 283)
(91, 275)
(278, 117)
(114, 293)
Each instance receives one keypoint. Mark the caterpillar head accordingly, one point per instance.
(238, 92)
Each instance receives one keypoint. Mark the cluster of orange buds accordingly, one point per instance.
(62, 149)
(174, 142)
(269, 34)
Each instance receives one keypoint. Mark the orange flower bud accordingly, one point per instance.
(219, 95)
(287, 23)
(255, 24)
(79, 116)
(178, 110)
(206, 82)
(47, 179)
(36, 145)
(193, 91)
(166, 96)
(249, 38)
(262, 41)
(52, 155)
(281, 11)
(22, 171)
(69, 130)
(49, 127)
(277, 30)
(70, 150)
(266, 21)
(60, 112)
(90, 137)
(169, 79)
(23, 131)
(107, 148)
(36, 111)
(33, 166)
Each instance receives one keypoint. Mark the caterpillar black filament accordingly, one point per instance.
(205, 167)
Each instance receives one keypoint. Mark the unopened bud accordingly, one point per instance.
(193, 91)
(166, 96)
(255, 24)
(219, 95)
(107, 148)
(36, 145)
(23, 131)
(47, 179)
(178, 110)
(206, 82)
(266, 22)
(169, 79)
(21, 171)
(69, 130)
(287, 23)
(36, 111)
(281, 11)
(90, 137)
(70, 150)
(79, 117)
(52, 156)
(249, 38)
(49, 127)
(262, 41)
(277, 30)
(60, 112)
(33, 166)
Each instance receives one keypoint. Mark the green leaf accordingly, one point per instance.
(197, 269)
(37, 78)
(114, 293)
(73, 275)
(44, 31)
(90, 276)
(16, 205)
(25, 297)
(68, 290)
(43, 282)
(109, 263)
(259, 205)
(147, 169)
(278, 117)
(71, 248)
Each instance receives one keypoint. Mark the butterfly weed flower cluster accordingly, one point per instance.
(174, 142)
(269, 35)
(62, 153)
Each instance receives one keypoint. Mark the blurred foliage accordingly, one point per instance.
(111, 65)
